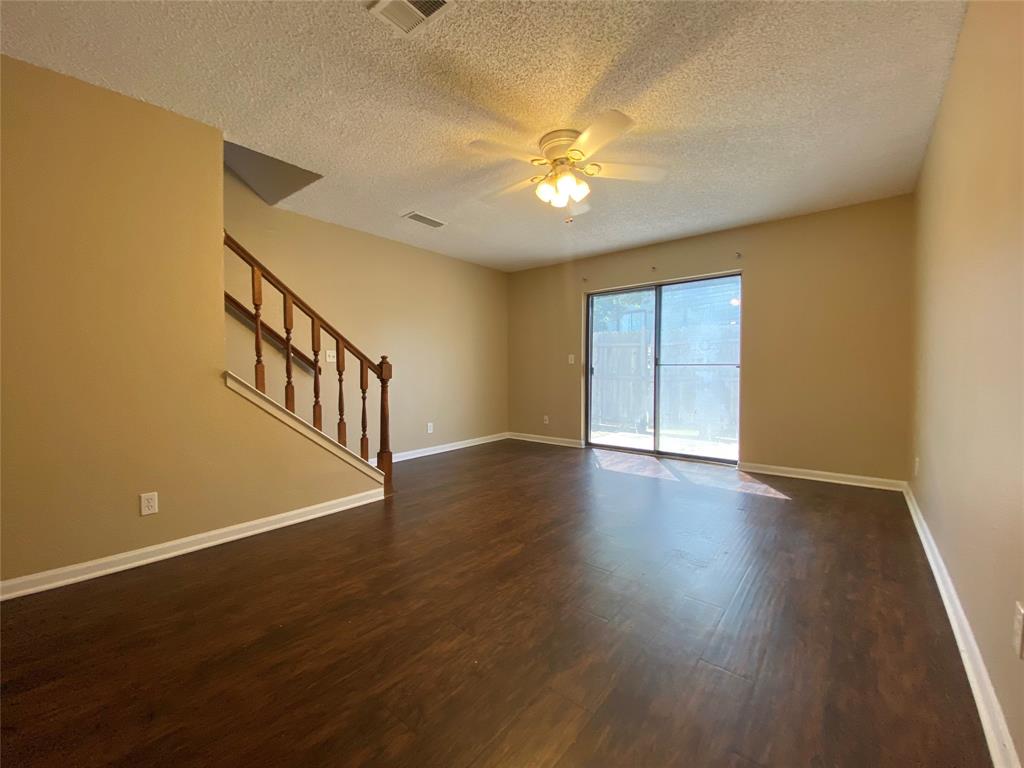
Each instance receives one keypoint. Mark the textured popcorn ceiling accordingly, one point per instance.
(758, 110)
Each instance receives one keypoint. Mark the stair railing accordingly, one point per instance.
(382, 369)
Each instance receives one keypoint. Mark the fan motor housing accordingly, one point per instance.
(555, 145)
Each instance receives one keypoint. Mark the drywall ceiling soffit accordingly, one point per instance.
(272, 179)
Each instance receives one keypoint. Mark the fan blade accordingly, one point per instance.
(503, 151)
(510, 189)
(578, 209)
(606, 129)
(629, 172)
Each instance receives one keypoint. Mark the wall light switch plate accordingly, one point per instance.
(1018, 630)
(148, 503)
(572, 359)
(331, 355)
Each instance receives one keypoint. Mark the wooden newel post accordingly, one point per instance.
(384, 454)
(257, 303)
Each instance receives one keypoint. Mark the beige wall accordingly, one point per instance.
(442, 322)
(113, 336)
(825, 378)
(970, 271)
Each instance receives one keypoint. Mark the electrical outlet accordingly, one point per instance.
(148, 503)
(1018, 631)
(331, 355)
(430, 427)
(546, 420)
(917, 464)
(572, 359)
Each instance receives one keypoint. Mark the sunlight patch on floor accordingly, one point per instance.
(633, 464)
(726, 478)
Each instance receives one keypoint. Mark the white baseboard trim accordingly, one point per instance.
(59, 577)
(444, 447)
(563, 441)
(997, 733)
(884, 483)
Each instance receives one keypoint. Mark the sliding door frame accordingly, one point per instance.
(589, 362)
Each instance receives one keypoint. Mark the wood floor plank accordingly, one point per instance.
(585, 656)
(743, 636)
(662, 713)
(538, 736)
(513, 604)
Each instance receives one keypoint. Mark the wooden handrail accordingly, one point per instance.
(306, 309)
(263, 331)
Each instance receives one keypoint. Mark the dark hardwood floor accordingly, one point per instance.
(513, 605)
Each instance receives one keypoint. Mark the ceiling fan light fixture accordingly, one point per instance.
(565, 182)
(580, 191)
(565, 158)
(561, 187)
(546, 191)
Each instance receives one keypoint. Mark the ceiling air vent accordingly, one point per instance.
(408, 17)
(420, 218)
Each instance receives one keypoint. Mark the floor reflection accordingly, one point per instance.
(633, 464)
(726, 478)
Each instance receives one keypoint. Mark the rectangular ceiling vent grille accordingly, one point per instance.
(420, 218)
(409, 17)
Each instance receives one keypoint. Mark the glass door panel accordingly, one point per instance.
(697, 411)
(621, 396)
(698, 368)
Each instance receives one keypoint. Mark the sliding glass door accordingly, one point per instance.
(622, 369)
(664, 369)
(699, 368)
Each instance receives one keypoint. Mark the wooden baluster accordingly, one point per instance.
(384, 454)
(342, 428)
(257, 303)
(318, 411)
(364, 382)
(289, 387)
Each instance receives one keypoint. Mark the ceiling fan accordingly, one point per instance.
(567, 154)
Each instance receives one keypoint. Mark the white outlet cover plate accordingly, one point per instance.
(331, 356)
(149, 503)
